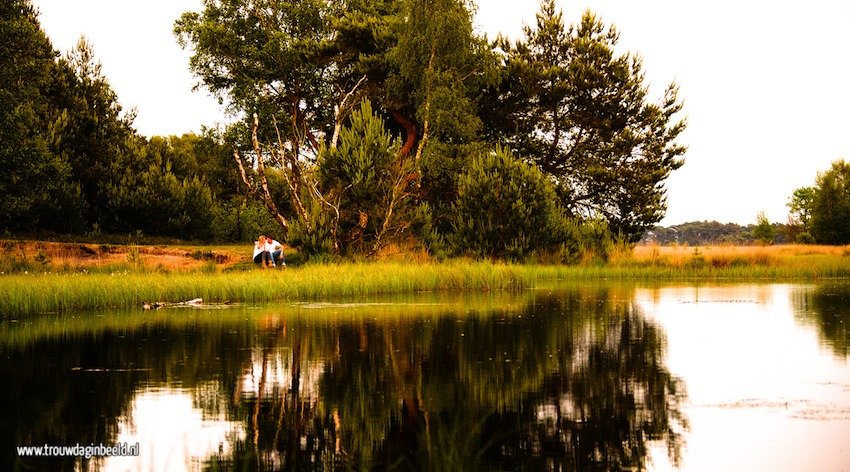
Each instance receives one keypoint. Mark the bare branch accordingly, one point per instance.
(293, 180)
(243, 174)
(341, 109)
(265, 195)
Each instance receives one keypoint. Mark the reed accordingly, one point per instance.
(22, 294)
(46, 292)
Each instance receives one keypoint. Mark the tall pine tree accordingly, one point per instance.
(578, 110)
(34, 182)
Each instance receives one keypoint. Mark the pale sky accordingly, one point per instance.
(766, 84)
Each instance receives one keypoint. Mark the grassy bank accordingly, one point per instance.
(62, 292)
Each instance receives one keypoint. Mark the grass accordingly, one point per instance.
(725, 256)
(38, 293)
(133, 282)
(391, 308)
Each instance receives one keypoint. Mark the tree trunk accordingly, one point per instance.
(252, 189)
(425, 125)
(409, 132)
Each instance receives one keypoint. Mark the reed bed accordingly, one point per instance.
(22, 294)
(40, 293)
(791, 255)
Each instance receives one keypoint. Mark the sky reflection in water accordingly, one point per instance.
(769, 388)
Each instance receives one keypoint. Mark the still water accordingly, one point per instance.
(595, 377)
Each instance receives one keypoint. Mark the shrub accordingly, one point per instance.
(241, 221)
(583, 241)
(505, 208)
(804, 238)
(317, 243)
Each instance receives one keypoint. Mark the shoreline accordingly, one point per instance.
(46, 292)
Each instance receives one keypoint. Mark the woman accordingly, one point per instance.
(261, 253)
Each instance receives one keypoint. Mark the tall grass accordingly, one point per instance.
(46, 292)
(38, 293)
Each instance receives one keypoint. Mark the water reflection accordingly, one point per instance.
(764, 394)
(568, 380)
(177, 430)
(827, 308)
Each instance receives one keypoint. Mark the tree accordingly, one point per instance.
(204, 155)
(280, 64)
(439, 68)
(505, 208)
(440, 65)
(580, 112)
(800, 214)
(800, 206)
(35, 192)
(95, 134)
(370, 186)
(830, 211)
(763, 232)
(303, 66)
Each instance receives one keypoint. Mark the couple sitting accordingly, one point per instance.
(268, 251)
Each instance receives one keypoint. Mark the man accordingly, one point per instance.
(276, 250)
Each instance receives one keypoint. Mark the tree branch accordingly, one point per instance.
(341, 109)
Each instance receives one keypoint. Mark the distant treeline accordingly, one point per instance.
(699, 233)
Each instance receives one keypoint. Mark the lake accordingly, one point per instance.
(576, 377)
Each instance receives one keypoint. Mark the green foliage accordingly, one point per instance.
(241, 220)
(424, 229)
(35, 187)
(763, 232)
(800, 206)
(156, 202)
(805, 238)
(440, 167)
(581, 113)
(830, 211)
(439, 66)
(584, 241)
(505, 208)
(93, 133)
(565, 101)
(205, 156)
(270, 55)
(369, 181)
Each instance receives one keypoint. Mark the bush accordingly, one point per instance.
(158, 203)
(241, 221)
(804, 238)
(505, 209)
(440, 167)
(318, 243)
(423, 228)
(584, 241)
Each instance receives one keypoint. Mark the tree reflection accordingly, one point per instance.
(75, 388)
(575, 381)
(827, 307)
(572, 380)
